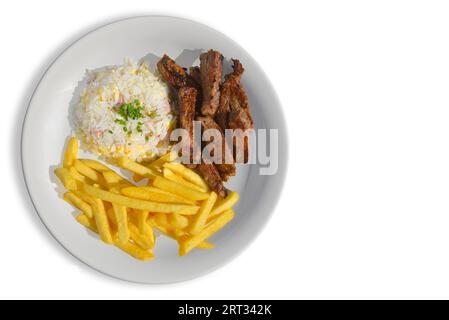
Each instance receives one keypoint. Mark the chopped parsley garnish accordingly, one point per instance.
(110, 131)
(132, 110)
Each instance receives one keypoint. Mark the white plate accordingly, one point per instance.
(46, 128)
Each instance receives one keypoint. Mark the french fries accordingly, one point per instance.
(71, 152)
(154, 194)
(77, 176)
(170, 175)
(187, 174)
(179, 189)
(187, 244)
(178, 221)
(78, 203)
(66, 178)
(96, 165)
(102, 222)
(158, 163)
(177, 202)
(139, 204)
(121, 217)
(137, 168)
(88, 172)
(224, 204)
(199, 220)
(132, 249)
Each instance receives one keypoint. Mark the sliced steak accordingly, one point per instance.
(232, 80)
(174, 74)
(211, 72)
(226, 170)
(186, 104)
(210, 173)
(195, 73)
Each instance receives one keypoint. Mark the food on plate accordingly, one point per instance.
(176, 76)
(226, 170)
(71, 152)
(211, 72)
(188, 243)
(219, 106)
(211, 175)
(126, 215)
(125, 116)
(124, 111)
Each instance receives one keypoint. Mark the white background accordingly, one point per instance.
(365, 209)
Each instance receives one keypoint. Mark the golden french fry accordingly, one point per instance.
(158, 163)
(145, 241)
(186, 245)
(71, 153)
(78, 203)
(134, 251)
(121, 218)
(83, 196)
(142, 216)
(77, 176)
(101, 221)
(66, 178)
(139, 204)
(179, 189)
(178, 221)
(224, 204)
(135, 167)
(112, 178)
(128, 247)
(187, 174)
(161, 219)
(200, 219)
(154, 194)
(170, 175)
(87, 222)
(95, 165)
(88, 172)
(177, 234)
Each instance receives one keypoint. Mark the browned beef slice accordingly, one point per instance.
(174, 74)
(231, 80)
(186, 103)
(210, 173)
(195, 73)
(211, 72)
(239, 116)
(226, 170)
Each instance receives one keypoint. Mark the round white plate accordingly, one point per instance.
(46, 128)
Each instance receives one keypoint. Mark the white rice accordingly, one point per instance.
(95, 116)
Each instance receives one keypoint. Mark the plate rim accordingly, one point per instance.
(282, 172)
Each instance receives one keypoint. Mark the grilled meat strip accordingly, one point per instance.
(231, 80)
(174, 74)
(210, 173)
(195, 73)
(211, 72)
(226, 170)
(233, 111)
(186, 104)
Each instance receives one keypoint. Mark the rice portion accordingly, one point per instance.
(124, 111)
